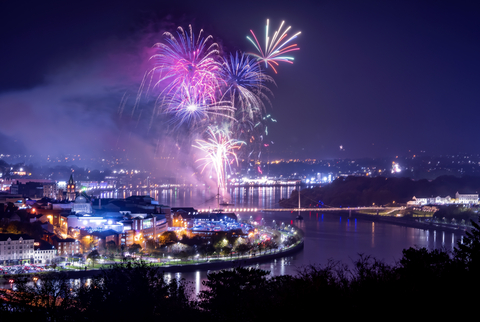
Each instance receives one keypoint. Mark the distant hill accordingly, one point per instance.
(365, 191)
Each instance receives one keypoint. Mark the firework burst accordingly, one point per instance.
(245, 83)
(220, 150)
(187, 70)
(190, 107)
(275, 47)
(188, 61)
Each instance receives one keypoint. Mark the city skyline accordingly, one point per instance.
(371, 79)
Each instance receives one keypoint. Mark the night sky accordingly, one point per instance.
(380, 78)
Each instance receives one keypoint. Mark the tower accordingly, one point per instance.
(71, 189)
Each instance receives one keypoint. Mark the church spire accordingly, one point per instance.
(71, 194)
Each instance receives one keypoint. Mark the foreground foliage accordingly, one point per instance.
(422, 283)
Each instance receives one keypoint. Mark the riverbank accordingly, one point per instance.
(410, 222)
(211, 265)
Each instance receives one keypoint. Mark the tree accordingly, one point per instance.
(151, 245)
(206, 249)
(111, 246)
(193, 241)
(14, 227)
(243, 248)
(182, 255)
(93, 256)
(48, 298)
(134, 248)
(234, 294)
(468, 252)
(134, 291)
(168, 238)
(226, 250)
(270, 244)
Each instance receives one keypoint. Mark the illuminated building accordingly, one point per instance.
(71, 194)
(44, 252)
(16, 248)
(50, 190)
(67, 246)
(142, 227)
(468, 199)
(465, 198)
(81, 206)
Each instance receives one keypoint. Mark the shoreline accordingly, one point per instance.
(207, 266)
(402, 221)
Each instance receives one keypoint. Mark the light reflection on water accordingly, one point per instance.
(328, 236)
(260, 197)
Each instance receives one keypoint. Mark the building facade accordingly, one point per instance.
(67, 246)
(44, 252)
(16, 249)
(71, 187)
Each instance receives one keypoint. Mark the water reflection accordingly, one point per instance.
(373, 234)
(326, 236)
(260, 197)
(198, 282)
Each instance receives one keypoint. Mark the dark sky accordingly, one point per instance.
(380, 78)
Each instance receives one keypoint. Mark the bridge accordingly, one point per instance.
(387, 210)
(383, 209)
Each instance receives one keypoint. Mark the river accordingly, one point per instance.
(328, 236)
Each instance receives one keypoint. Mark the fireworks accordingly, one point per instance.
(189, 106)
(245, 85)
(188, 69)
(275, 48)
(220, 151)
(186, 61)
(198, 90)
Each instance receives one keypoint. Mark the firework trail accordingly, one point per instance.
(220, 151)
(246, 89)
(275, 47)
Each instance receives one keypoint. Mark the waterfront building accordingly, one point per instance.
(430, 201)
(182, 218)
(470, 199)
(467, 198)
(67, 246)
(44, 252)
(16, 249)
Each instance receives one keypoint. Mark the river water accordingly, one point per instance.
(328, 236)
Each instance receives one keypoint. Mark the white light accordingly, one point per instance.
(192, 108)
